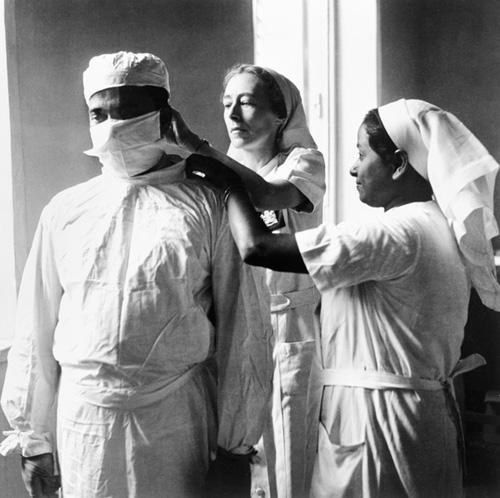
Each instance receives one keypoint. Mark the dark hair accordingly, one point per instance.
(158, 95)
(378, 138)
(271, 87)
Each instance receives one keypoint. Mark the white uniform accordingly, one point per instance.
(394, 305)
(133, 295)
(290, 440)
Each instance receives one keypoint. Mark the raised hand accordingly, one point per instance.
(212, 170)
(178, 133)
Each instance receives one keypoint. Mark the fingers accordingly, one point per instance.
(178, 124)
(165, 120)
(204, 166)
(51, 484)
(42, 487)
(33, 485)
(38, 475)
(214, 171)
(195, 167)
(176, 115)
(205, 163)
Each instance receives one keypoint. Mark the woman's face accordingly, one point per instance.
(373, 177)
(250, 121)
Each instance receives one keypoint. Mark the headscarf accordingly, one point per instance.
(124, 69)
(462, 176)
(293, 132)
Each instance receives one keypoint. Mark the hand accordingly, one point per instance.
(38, 476)
(165, 120)
(229, 475)
(179, 134)
(212, 170)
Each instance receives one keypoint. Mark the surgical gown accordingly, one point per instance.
(138, 315)
(394, 305)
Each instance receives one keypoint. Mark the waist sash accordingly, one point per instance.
(385, 380)
(126, 398)
(371, 379)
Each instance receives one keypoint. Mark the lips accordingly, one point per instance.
(238, 130)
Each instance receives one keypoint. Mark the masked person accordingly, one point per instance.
(395, 293)
(134, 296)
(279, 162)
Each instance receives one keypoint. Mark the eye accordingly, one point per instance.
(96, 117)
(247, 103)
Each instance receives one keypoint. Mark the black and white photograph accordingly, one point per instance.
(250, 249)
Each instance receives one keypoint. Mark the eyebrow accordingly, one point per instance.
(246, 94)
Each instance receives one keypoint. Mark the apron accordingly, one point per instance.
(348, 482)
(146, 443)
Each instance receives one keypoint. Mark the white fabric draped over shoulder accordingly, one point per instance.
(462, 175)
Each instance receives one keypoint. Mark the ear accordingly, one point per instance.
(401, 158)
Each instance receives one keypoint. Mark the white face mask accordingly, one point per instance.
(128, 147)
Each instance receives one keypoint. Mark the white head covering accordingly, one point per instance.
(462, 175)
(293, 132)
(124, 69)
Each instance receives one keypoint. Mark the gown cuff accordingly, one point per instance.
(25, 443)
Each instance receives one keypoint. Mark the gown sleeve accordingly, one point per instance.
(243, 346)
(32, 376)
(352, 252)
(305, 168)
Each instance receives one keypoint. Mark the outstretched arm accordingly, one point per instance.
(257, 245)
(276, 194)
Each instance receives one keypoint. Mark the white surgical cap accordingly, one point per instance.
(462, 175)
(124, 69)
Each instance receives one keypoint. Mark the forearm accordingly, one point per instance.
(264, 194)
(28, 400)
(32, 375)
(257, 245)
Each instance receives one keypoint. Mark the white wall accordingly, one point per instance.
(356, 57)
(7, 259)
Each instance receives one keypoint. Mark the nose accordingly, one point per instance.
(353, 171)
(234, 112)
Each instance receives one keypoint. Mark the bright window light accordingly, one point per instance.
(328, 48)
(7, 261)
